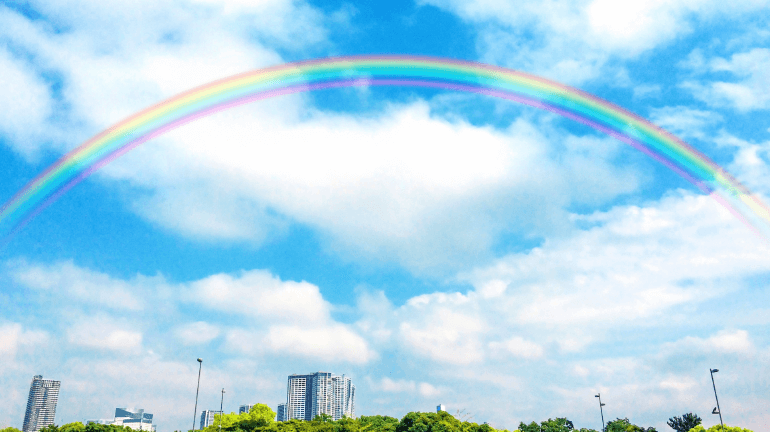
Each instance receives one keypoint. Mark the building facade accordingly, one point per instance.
(41, 404)
(244, 409)
(207, 417)
(320, 393)
(134, 418)
(281, 413)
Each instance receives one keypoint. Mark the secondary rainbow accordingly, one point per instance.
(429, 72)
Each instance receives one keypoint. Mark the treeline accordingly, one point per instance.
(261, 419)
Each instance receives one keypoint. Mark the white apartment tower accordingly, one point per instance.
(320, 393)
(207, 417)
(41, 405)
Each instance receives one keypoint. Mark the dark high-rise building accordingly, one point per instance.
(41, 405)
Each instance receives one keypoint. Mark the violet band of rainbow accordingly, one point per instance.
(426, 72)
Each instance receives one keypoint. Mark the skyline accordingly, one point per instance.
(438, 246)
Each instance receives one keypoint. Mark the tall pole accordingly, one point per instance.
(195, 412)
(719, 410)
(221, 413)
(599, 395)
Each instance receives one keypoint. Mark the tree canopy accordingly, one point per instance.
(684, 423)
(718, 428)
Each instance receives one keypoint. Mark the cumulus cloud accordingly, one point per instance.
(260, 294)
(399, 186)
(750, 89)
(518, 347)
(685, 122)
(13, 337)
(84, 284)
(408, 386)
(334, 342)
(106, 334)
(25, 102)
(199, 332)
(576, 41)
(725, 341)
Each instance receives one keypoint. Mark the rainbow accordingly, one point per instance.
(424, 72)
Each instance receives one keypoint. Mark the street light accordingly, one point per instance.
(599, 395)
(221, 413)
(195, 412)
(716, 410)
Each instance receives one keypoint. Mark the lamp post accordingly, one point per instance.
(195, 412)
(716, 410)
(599, 395)
(221, 413)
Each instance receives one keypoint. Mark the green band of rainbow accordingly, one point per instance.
(456, 75)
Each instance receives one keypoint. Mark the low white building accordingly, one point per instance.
(136, 419)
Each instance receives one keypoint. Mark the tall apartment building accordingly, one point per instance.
(320, 393)
(41, 405)
(281, 413)
(207, 417)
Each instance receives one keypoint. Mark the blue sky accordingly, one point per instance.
(436, 247)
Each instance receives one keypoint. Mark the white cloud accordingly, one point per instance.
(575, 41)
(401, 186)
(334, 342)
(442, 332)
(685, 122)
(397, 386)
(259, 294)
(14, 337)
(106, 334)
(518, 347)
(24, 101)
(680, 384)
(725, 341)
(750, 92)
(85, 285)
(108, 67)
(407, 386)
(195, 333)
(428, 390)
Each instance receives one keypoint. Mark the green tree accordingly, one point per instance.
(73, 427)
(378, 423)
(684, 423)
(10, 429)
(718, 428)
(323, 418)
(532, 427)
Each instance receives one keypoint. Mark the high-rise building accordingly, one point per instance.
(320, 393)
(245, 408)
(207, 417)
(134, 418)
(281, 412)
(41, 405)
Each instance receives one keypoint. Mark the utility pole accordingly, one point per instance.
(599, 395)
(221, 413)
(195, 412)
(716, 410)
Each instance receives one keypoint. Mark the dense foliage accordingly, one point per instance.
(718, 428)
(685, 422)
(90, 427)
(261, 419)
